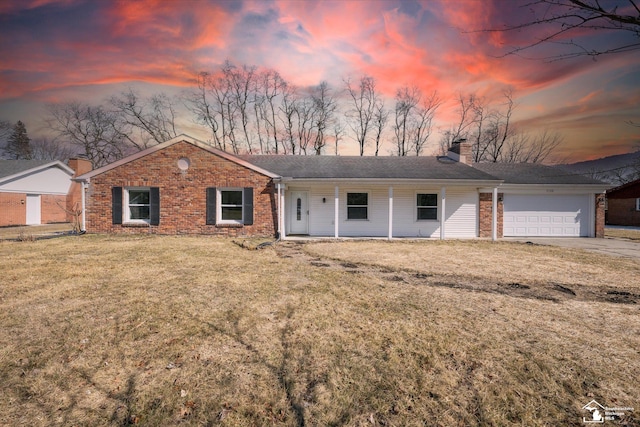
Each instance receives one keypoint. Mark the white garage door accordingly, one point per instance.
(546, 215)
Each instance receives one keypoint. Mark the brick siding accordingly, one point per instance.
(623, 212)
(13, 209)
(182, 193)
(486, 215)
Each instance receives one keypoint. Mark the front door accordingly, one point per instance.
(33, 209)
(299, 212)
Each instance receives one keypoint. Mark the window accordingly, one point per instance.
(135, 205)
(230, 206)
(357, 205)
(638, 204)
(427, 205)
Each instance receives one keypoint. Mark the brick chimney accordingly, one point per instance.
(460, 151)
(74, 197)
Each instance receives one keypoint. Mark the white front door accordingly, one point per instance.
(33, 209)
(299, 212)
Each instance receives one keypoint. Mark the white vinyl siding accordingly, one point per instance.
(461, 211)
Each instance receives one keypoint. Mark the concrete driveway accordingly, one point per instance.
(607, 246)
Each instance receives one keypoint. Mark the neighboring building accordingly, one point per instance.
(624, 204)
(36, 192)
(186, 186)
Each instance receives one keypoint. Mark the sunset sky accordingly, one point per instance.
(60, 50)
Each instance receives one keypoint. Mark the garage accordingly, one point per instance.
(546, 215)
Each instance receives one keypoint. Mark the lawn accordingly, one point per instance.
(153, 330)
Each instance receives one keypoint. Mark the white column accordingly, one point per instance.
(336, 211)
(390, 213)
(283, 233)
(443, 211)
(494, 214)
(84, 208)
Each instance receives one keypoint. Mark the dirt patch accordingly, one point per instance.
(539, 290)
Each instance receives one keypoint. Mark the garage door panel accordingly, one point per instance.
(545, 215)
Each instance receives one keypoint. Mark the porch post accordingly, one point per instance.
(336, 209)
(390, 213)
(283, 233)
(443, 210)
(494, 214)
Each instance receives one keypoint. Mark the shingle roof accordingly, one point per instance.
(367, 167)
(12, 167)
(533, 173)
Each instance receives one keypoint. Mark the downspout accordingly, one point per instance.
(83, 227)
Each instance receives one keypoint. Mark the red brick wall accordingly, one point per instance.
(52, 209)
(182, 193)
(486, 215)
(623, 212)
(13, 209)
(599, 232)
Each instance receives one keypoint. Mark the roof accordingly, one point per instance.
(535, 173)
(177, 139)
(14, 167)
(11, 169)
(367, 167)
(630, 190)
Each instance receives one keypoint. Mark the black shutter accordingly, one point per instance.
(247, 208)
(116, 205)
(211, 206)
(154, 206)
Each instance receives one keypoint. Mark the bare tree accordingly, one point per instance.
(240, 81)
(273, 86)
(407, 98)
(288, 113)
(492, 135)
(201, 103)
(92, 129)
(380, 119)
(360, 117)
(305, 118)
(521, 148)
(460, 130)
(338, 134)
(51, 149)
(421, 123)
(325, 106)
(145, 122)
(566, 22)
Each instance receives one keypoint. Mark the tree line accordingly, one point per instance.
(246, 109)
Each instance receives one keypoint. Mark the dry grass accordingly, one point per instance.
(31, 232)
(623, 233)
(100, 330)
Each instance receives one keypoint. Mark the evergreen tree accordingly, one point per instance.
(18, 146)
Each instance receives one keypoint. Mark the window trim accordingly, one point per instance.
(417, 208)
(367, 206)
(219, 206)
(126, 212)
